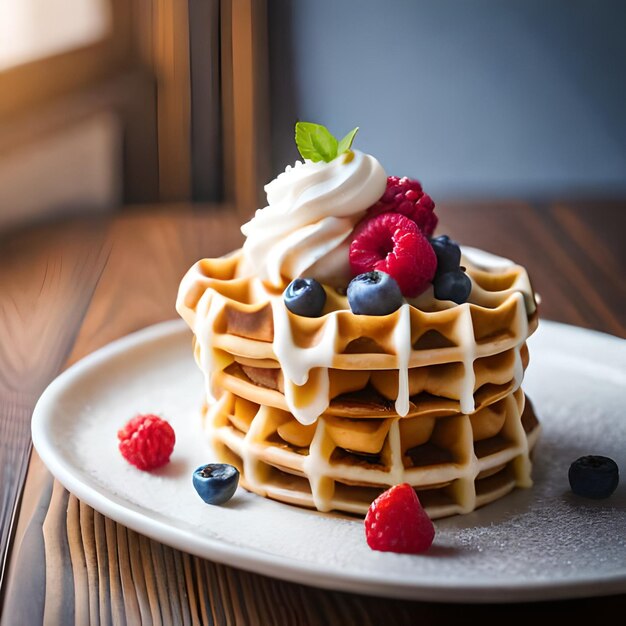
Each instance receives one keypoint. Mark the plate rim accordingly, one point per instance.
(475, 591)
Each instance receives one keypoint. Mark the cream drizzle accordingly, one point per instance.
(522, 331)
(297, 363)
(465, 332)
(209, 307)
(402, 344)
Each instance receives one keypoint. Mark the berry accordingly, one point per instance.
(406, 196)
(305, 296)
(216, 483)
(448, 254)
(393, 244)
(593, 476)
(147, 441)
(396, 522)
(374, 293)
(455, 286)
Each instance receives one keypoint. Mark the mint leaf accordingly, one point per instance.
(315, 142)
(346, 143)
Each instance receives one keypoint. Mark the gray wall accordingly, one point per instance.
(474, 98)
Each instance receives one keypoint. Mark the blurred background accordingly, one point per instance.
(106, 104)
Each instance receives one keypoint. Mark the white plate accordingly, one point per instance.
(542, 543)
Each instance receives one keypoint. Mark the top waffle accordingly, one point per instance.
(499, 298)
(236, 316)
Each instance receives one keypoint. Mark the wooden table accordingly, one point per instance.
(67, 289)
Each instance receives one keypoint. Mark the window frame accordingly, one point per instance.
(37, 82)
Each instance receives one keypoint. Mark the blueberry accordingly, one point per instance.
(305, 296)
(455, 286)
(448, 254)
(216, 482)
(374, 293)
(593, 476)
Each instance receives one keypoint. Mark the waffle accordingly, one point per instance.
(456, 462)
(328, 412)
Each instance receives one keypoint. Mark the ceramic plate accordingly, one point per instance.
(541, 543)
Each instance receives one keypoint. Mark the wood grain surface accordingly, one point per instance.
(68, 289)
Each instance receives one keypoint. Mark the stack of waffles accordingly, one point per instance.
(328, 412)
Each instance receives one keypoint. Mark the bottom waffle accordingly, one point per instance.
(456, 463)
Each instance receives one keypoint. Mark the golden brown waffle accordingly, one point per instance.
(234, 317)
(462, 436)
(433, 389)
(456, 462)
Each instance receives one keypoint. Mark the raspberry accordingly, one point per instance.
(396, 522)
(406, 196)
(392, 243)
(146, 441)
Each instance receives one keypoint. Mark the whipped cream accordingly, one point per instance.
(312, 209)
